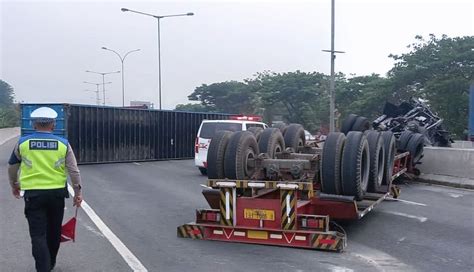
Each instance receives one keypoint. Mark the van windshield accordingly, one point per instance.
(208, 130)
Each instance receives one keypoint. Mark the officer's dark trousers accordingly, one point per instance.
(44, 213)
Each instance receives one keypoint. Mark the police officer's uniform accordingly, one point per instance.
(44, 159)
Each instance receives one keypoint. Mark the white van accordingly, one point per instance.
(209, 128)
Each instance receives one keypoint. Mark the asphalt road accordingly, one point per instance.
(143, 203)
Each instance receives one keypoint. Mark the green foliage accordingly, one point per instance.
(439, 70)
(192, 107)
(9, 114)
(297, 96)
(229, 97)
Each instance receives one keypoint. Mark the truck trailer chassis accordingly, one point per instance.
(284, 213)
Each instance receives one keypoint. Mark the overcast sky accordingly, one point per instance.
(47, 46)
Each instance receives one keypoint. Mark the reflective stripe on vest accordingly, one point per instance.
(43, 157)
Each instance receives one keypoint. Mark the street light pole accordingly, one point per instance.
(122, 59)
(103, 81)
(158, 18)
(97, 89)
(332, 103)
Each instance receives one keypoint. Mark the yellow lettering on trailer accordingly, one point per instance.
(259, 214)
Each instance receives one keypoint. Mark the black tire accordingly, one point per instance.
(271, 142)
(355, 165)
(282, 127)
(403, 140)
(331, 163)
(294, 136)
(257, 131)
(415, 146)
(361, 124)
(348, 122)
(377, 161)
(389, 142)
(241, 149)
(216, 153)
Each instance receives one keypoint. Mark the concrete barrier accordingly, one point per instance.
(7, 134)
(454, 162)
(463, 144)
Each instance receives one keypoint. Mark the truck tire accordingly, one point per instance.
(240, 152)
(403, 140)
(415, 146)
(361, 124)
(282, 127)
(355, 165)
(348, 122)
(271, 142)
(331, 163)
(377, 161)
(257, 131)
(389, 142)
(215, 154)
(294, 136)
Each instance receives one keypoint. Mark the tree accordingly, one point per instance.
(6, 94)
(193, 107)
(439, 70)
(363, 95)
(227, 97)
(298, 96)
(9, 115)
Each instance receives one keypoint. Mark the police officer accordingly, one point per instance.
(44, 160)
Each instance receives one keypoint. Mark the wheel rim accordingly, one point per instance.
(277, 149)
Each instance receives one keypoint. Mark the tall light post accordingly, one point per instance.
(103, 81)
(158, 18)
(97, 97)
(97, 89)
(122, 59)
(332, 98)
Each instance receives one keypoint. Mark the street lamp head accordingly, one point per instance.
(124, 9)
(103, 47)
(190, 14)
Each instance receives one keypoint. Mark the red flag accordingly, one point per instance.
(68, 230)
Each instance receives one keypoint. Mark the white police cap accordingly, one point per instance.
(44, 113)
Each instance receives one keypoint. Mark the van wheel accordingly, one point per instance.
(257, 131)
(215, 154)
(355, 165)
(240, 155)
(331, 163)
(389, 142)
(294, 136)
(377, 161)
(271, 142)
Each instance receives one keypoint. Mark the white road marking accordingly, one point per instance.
(454, 195)
(126, 254)
(380, 260)
(419, 218)
(340, 269)
(407, 201)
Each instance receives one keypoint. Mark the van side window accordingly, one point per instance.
(249, 125)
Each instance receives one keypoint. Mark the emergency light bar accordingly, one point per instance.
(242, 117)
